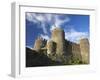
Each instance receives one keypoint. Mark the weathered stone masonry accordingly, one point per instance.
(59, 46)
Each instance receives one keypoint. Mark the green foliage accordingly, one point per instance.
(75, 61)
(70, 60)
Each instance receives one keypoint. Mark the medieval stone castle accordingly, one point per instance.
(58, 47)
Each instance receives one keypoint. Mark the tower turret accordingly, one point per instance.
(58, 36)
(84, 47)
(38, 44)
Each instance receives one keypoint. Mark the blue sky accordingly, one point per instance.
(41, 24)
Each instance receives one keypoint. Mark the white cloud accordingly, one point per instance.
(43, 19)
(75, 36)
(31, 17)
(53, 27)
(38, 19)
(29, 47)
(54, 21)
(59, 21)
(45, 37)
(49, 18)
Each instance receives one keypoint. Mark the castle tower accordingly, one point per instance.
(38, 44)
(76, 51)
(58, 37)
(84, 47)
(51, 47)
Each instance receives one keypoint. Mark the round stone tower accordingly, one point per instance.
(58, 37)
(38, 44)
(84, 48)
(51, 47)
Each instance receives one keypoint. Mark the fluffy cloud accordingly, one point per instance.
(59, 21)
(75, 36)
(53, 20)
(31, 17)
(45, 37)
(53, 27)
(37, 19)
